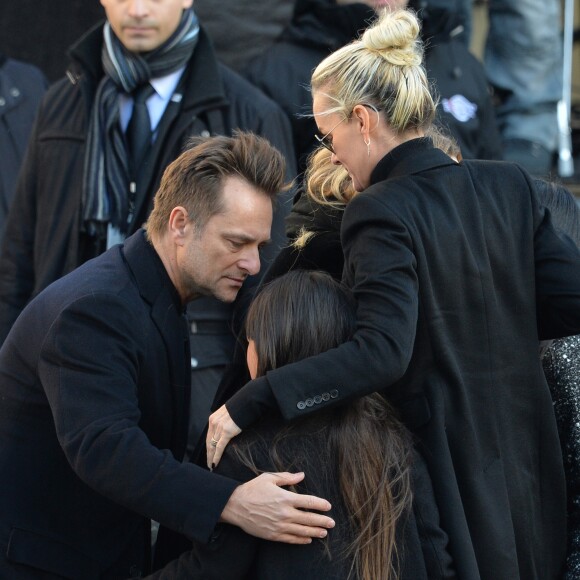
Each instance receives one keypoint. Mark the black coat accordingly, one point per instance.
(234, 555)
(458, 273)
(95, 384)
(21, 88)
(426, 558)
(43, 239)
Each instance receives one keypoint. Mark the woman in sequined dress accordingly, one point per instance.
(561, 362)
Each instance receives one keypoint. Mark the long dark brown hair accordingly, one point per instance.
(302, 314)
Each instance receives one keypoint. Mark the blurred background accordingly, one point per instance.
(40, 33)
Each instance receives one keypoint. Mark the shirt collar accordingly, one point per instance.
(165, 86)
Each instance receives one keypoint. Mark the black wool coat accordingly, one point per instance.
(422, 544)
(95, 386)
(458, 273)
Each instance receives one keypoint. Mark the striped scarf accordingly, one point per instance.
(106, 170)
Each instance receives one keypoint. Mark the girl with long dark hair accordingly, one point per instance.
(357, 455)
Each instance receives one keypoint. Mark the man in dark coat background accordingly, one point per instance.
(94, 384)
(22, 86)
(51, 229)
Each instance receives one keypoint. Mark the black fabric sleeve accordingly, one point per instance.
(230, 552)
(251, 402)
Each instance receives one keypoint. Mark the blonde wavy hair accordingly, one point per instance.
(326, 183)
(382, 68)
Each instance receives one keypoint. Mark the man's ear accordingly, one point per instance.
(178, 221)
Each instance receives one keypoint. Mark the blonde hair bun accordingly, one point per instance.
(382, 68)
(395, 36)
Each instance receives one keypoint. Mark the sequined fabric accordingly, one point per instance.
(561, 363)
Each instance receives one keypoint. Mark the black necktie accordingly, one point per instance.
(139, 128)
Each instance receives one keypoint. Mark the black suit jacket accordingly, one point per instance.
(94, 384)
(458, 273)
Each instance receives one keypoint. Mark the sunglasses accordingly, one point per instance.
(326, 140)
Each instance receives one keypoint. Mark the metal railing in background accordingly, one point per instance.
(565, 159)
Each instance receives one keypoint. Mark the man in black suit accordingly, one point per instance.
(95, 384)
(138, 87)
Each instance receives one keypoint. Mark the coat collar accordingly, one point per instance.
(149, 272)
(168, 315)
(201, 84)
(411, 157)
(313, 217)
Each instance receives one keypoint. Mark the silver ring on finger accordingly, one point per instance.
(213, 442)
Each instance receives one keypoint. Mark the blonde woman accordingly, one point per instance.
(457, 272)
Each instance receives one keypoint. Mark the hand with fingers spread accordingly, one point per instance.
(261, 508)
(221, 431)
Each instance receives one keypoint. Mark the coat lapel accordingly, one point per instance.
(167, 314)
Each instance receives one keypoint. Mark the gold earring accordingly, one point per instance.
(368, 144)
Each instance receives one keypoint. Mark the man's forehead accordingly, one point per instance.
(236, 191)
